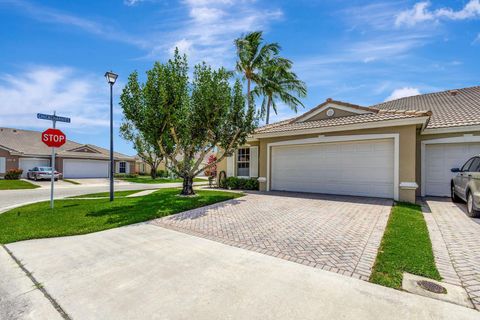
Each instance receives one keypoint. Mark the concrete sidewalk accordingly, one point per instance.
(19, 297)
(148, 272)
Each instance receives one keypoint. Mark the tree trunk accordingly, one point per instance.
(268, 110)
(153, 173)
(187, 189)
(248, 92)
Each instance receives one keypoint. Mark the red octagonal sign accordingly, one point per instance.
(53, 138)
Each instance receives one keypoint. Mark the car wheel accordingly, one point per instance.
(453, 195)
(35, 178)
(470, 208)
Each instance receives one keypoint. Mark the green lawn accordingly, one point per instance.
(16, 184)
(148, 179)
(106, 194)
(405, 247)
(76, 216)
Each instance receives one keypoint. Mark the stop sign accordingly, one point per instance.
(53, 138)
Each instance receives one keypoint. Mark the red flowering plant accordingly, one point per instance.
(211, 172)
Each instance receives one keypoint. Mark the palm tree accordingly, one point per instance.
(277, 81)
(251, 57)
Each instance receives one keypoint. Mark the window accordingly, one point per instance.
(243, 162)
(122, 167)
(475, 167)
(466, 166)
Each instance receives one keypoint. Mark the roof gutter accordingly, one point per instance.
(457, 129)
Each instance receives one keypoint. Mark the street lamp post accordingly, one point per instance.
(111, 78)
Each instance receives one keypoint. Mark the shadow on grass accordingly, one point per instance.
(157, 206)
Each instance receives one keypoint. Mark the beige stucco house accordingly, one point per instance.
(23, 149)
(398, 149)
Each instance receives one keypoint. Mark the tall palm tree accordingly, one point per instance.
(277, 81)
(251, 57)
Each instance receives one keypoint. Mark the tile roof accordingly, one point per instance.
(28, 142)
(374, 116)
(451, 108)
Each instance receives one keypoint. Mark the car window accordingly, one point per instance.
(475, 167)
(466, 166)
(35, 169)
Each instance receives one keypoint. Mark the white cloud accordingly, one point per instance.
(45, 89)
(131, 2)
(421, 13)
(212, 26)
(403, 92)
(183, 46)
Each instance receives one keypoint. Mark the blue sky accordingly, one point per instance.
(53, 54)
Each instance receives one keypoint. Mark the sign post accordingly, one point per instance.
(53, 138)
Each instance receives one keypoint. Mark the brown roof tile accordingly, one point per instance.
(291, 124)
(28, 142)
(451, 108)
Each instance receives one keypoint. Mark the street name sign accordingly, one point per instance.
(52, 117)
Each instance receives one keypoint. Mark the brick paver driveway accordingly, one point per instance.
(334, 233)
(461, 237)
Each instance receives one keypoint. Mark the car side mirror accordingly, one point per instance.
(455, 170)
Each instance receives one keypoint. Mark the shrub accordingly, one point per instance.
(162, 173)
(239, 183)
(13, 174)
(125, 175)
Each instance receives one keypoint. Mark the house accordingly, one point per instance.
(24, 149)
(398, 149)
(142, 167)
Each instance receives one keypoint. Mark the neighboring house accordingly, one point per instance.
(142, 167)
(398, 149)
(24, 149)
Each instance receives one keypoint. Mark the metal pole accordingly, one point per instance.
(53, 168)
(111, 142)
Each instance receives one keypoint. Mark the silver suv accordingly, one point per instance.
(466, 186)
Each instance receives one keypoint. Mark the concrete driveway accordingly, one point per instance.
(147, 272)
(334, 233)
(456, 244)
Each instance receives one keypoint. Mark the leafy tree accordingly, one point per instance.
(277, 81)
(252, 56)
(148, 151)
(188, 119)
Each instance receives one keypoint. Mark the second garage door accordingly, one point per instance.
(85, 168)
(440, 159)
(350, 168)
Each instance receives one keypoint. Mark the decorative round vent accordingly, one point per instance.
(330, 112)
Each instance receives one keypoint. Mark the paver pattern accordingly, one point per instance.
(334, 233)
(461, 236)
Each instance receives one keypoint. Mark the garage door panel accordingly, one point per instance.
(29, 163)
(440, 159)
(352, 168)
(79, 168)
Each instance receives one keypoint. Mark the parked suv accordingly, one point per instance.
(39, 173)
(466, 186)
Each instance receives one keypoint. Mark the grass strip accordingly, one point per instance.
(405, 247)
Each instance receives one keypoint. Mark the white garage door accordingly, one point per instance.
(29, 163)
(351, 168)
(85, 168)
(440, 159)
